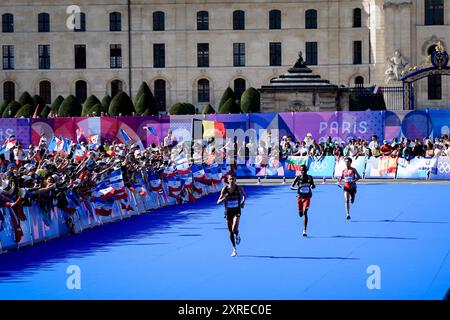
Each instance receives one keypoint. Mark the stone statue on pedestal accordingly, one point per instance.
(396, 65)
(300, 62)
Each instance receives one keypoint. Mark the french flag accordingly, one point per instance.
(198, 173)
(169, 172)
(55, 144)
(174, 185)
(183, 168)
(79, 153)
(156, 185)
(103, 207)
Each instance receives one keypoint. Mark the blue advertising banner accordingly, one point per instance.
(322, 168)
(442, 169)
(417, 168)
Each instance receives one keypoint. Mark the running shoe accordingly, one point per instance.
(304, 233)
(238, 239)
(234, 253)
(348, 217)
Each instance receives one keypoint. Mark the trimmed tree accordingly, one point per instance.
(45, 112)
(146, 104)
(181, 108)
(3, 107)
(143, 89)
(189, 108)
(38, 102)
(230, 106)
(177, 109)
(208, 109)
(251, 101)
(11, 109)
(56, 104)
(90, 102)
(26, 111)
(70, 107)
(121, 104)
(228, 94)
(25, 98)
(106, 101)
(96, 110)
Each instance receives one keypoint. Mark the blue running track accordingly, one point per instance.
(183, 252)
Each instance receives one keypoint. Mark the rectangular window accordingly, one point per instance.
(159, 55)
(434, 12)
(357, 52)
(203, 55)
(115, 53)
(311, 53)
(44, 56)
(239, 54)
(7, 22)
(80, 56)
(43, 22)
(435, 87)
(158, 21)
(8, 57)
(275, 53)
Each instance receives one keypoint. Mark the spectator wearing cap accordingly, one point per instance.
(308, 139)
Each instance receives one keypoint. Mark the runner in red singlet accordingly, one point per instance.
(350, 176)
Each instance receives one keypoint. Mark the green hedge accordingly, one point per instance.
(12, 107)
(230, 107)
(250, 101)
(70, 107)
(228, 94)
(181, 108)
(26, 111)
(56, 104)
(25, 98)
(121, 104)
(208, 109)
(90, 102)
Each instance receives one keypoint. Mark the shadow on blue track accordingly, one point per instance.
(298, 258)
(94, 239)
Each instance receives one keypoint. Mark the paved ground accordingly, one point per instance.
(401, 231)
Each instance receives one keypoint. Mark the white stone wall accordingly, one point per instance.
(385, 27)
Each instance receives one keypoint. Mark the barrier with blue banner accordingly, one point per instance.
(323, 167)
(359, 163)
(442, 169)
(416, 168)
(22, 226)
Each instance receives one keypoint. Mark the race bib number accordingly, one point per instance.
(348, 179)
(304, 190)
(233, 204)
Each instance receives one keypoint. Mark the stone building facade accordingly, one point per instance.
(189, 50)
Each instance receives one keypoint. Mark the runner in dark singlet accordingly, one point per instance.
(233, 197)
(350, 176)
(304, 184)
